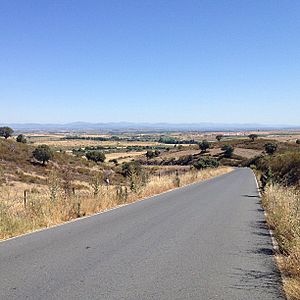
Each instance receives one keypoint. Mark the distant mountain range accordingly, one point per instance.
(130, 126)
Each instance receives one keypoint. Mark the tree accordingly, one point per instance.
(228, 151)
(219, 137)
(21, 139)
(95, 156)
(156, 153)
(270, 148)
(253, 137)
(6, 132)
(42, 153)
(204, 145)
(150, 154)
(298, 142)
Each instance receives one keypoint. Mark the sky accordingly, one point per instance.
(150, 61)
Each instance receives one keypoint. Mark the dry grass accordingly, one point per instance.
(283, 214)
(124, 156)
(247, 153)
(55, 204)
(177, 154)
(69, 144)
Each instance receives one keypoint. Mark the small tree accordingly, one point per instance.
(149, 154)
(21, 139)
(298, 141)
(219, 137)
(228, 151)
(42, 153)
(270, 148)
(6, 132)
(95, 156)
(253, 137)
(204, 145)
(156, 153)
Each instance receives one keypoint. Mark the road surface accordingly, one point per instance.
(204, 241)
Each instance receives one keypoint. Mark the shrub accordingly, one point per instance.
(204, 145)
(6, 132)
(270, 148)
(43, 153)
(206, 162)
(130, 168)
(253, 137)
(95, 156)
(150, 154)
(285, 168)
(228, 151)
(219, 137)
(298, 141)
(21, 139)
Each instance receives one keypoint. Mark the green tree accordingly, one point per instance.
(228, 151)
(156, 153)
(219, 137)
(149, 154)
(21, 139)
(270, 148)
(6, 132)
(253, 137)
(95, 156)
(204, 145)
(42, 153)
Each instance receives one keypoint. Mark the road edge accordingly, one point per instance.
(273, 239)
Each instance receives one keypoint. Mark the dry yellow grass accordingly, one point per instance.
(46, 207)
(283, 214)
(124, 156)
(68, 144)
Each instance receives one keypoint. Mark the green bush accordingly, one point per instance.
(95, 156)
(228, 151)
(253, 137)
(204, 145)
(206, 162)
(219, 137)
(130, 168)
(270, 148)
(21, 139)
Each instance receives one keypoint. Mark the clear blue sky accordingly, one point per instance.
(153, 61)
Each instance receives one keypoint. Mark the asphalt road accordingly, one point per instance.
(205, 241)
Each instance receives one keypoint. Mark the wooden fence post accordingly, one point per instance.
(25, 198)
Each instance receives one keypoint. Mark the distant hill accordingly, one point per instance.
(130, 126)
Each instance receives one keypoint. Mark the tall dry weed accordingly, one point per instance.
(55, 204)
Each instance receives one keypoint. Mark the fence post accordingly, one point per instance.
(25, 198)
